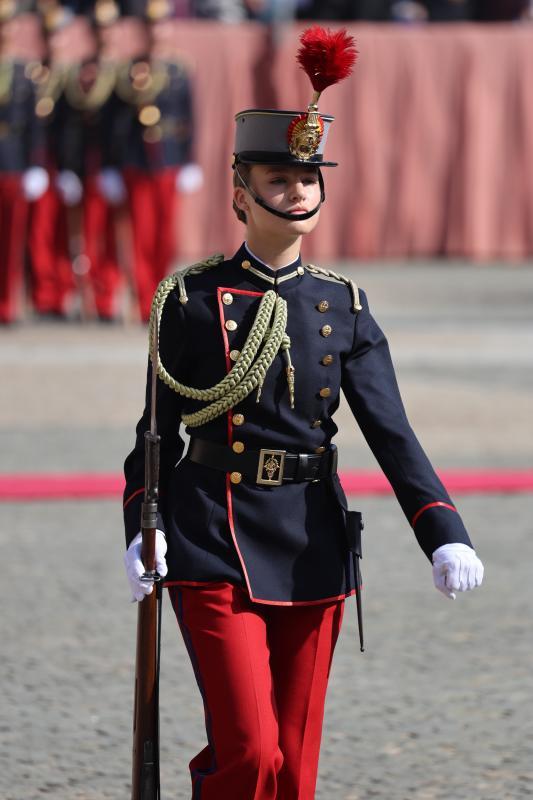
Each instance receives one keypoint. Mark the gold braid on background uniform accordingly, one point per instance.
(266, 338)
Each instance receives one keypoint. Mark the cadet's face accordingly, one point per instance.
(294, 190)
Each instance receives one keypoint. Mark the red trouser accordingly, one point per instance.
(100, 248)
(52, 278)
(262, 671)
(13, 212)
(152, 200)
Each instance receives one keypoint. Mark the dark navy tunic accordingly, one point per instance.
(285, 543)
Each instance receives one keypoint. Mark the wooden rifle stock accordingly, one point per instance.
(145, 773)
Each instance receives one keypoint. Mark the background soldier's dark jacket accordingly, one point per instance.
(168, 142)
(20, 142)
(290, 538)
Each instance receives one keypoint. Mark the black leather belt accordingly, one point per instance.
(267, 467)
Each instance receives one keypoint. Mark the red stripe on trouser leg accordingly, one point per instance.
(263, 672)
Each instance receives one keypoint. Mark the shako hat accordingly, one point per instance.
(266, 136)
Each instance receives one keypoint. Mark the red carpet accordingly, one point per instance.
(67, 486)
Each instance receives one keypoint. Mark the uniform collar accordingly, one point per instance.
(254, 267)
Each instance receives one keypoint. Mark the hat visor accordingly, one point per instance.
(280, 159)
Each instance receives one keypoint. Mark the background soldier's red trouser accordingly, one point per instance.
(13, 211)
(262, 671)
(52, 278)
(100, 248)
(152, 202)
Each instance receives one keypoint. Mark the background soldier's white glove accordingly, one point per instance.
(35, 182)
(456, 568)
(69, 187)
(135, 567)
(111, 186)
(190, 178)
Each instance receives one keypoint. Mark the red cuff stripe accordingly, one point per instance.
(130, 498)
(431, 505)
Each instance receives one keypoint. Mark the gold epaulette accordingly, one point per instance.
(335, 277)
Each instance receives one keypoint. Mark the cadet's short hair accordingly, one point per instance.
(245, 170)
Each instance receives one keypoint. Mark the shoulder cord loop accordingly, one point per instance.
(268, 332)
(356, 303)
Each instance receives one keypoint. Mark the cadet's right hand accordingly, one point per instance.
(135, 567)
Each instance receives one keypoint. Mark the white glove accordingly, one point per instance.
(190, 178)
(70, 187)
(35, 182)
(456, 568)
(111, 186)
(135, 567)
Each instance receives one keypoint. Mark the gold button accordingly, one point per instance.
(235, 477)
(234, 354)
(325, 392)
(325, 330)
(227, 298)
(246, 264)
(327, 360)
(323, 306)
(319, 450)
(238, 419)
(300, 270)
(316, 423)
(237, 447)
(231, 325)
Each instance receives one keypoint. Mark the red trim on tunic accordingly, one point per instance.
(301, 602)
(239, 291)
(168, 584)
(436, 504)
(229, 499)
(229, 496)
(135, 493)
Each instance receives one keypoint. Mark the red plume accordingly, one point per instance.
(326, 57)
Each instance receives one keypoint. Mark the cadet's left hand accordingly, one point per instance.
(456, 568)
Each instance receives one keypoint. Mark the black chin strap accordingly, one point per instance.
(283, 214)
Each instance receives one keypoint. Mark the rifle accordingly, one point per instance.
(145, 772)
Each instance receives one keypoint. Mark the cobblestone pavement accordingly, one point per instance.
(439, 707)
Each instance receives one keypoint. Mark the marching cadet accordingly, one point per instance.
(253, 522)
(153, 134)
(23, 178)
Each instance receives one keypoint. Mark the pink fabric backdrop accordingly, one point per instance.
(433, 133)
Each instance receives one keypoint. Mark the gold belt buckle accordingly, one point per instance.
(270, 469)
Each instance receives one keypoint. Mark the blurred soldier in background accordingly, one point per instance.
(52, 279)
(22, 176)
(152, 133)
(77, 225)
